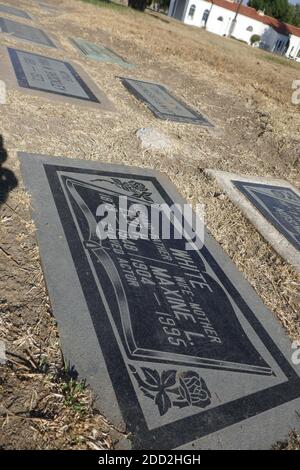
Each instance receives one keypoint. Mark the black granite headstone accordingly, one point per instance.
(173, 341)
(99, 52)
(278, 204)
(14, 11)
(50, 9)
(24, 31)
(42, 73)
(162, 103)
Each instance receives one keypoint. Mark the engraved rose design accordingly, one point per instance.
(133, 186)
(172, 389)
(192, 389)
(136, 188)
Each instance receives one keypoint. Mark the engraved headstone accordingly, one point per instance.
(100, 53)
(271, 205)
(14, 11)
(24, 31)
(49, 78)
(174, 342)
(280, 205)
(50, 9)
(46, 75)
(162, 103)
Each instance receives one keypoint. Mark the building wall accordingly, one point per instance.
(222, 28)
(177, 9)
(192, 12)
(293, 51)
(243, 26)
(171, 7)
(214, 25)
(196, 19)
(274, 42)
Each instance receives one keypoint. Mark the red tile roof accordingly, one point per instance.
(279, 26)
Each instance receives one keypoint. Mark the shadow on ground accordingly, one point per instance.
(8, 180)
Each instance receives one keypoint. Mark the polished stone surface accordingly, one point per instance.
(173, 341)
(100, 53)
(162, 103)
(24, 31)
(42, 73)
(10, 10)
(280, 205)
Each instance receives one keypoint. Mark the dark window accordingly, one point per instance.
(220, 18)
(192, 11)
(205, 16)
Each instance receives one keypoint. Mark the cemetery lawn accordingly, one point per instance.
(245, 92)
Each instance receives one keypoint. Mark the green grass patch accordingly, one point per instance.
(280, 60)
(107, 4)
(74, 396)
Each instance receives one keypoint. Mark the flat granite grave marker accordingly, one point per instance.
(279, 204)
(14, 11)
(100, 53)
(272, 205)
(45, 76)
(50, 9)
(25, 32)
(161, 102)
(175, 344)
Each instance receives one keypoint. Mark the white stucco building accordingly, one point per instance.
(228, 18)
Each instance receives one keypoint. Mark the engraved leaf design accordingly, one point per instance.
(152, 376)
(163, 402)
(168, 378)
(138, 189)
(147, 197)
(143, 384)
(171, 389)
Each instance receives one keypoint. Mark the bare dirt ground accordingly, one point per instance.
(245, 92)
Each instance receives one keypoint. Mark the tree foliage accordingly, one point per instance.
(255, 38)
(138, 4)
(295, 15)
(280, 9)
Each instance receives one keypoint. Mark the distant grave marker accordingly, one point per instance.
(100, 53)
(50, 9)
(280, 205)
(273, 206)
(14, 11)
(161, 102)
(175, 343)
(57, 79)
(24, 31)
